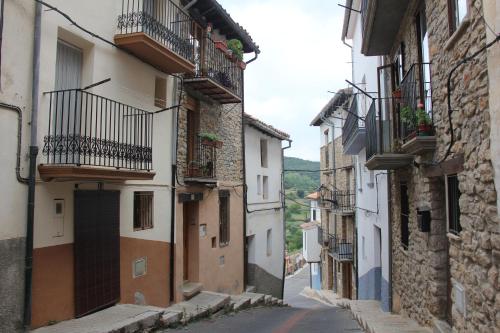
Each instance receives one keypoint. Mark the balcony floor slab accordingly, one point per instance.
(389, 161)
(420, 145)
(212, 89)
(72, 172)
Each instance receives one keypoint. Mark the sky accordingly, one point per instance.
(302, 58)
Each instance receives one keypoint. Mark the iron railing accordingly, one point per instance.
(320, 236)
(203, 161)
(340, 249)
(343, 201)
(163, 21)
(351, 124)
(371, 132)
(415, 89)
(87, 129)
(213, 63)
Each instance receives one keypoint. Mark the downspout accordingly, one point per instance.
(254, 58)
(245, 206)
(19, 112)
(32, 167)
(389, 219)
(175, 125)
(283, 208)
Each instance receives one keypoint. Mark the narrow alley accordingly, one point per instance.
(302, 315)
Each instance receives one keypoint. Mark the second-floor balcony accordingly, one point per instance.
(95, 138)
(340, 202)
(217, 75)
(202, 162)
(159, 32)
(380, 151)
(353, 131)
(416, 123)
(340, 249)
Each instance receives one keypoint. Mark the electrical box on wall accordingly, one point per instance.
(424, 220)
(58, 216)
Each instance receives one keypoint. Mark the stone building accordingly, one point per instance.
(431, 131)
(210, 207)
(337, 199)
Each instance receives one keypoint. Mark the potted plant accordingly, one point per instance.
(424, 121)
(236, 46)
(210, 139)
(408, 119)
(397, 93)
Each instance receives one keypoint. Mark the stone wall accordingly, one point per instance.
(420, 279)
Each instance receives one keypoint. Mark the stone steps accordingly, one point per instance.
(191, 289)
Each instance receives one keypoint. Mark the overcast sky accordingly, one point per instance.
(302, 58)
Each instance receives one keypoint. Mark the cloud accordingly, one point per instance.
(302, 58)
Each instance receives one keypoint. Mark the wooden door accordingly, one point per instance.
(96, 250)
(186, 241)
(347, 280)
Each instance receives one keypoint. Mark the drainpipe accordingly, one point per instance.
(245, 206)
(19, 112)
(254, 58)
(32, 167)
(389, 219)
(283, 208)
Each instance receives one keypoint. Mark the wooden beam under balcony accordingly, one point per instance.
(154, 53)
(50, 172)
(213, 89)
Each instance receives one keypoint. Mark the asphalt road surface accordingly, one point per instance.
(303, 315)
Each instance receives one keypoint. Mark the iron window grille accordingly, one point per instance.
(203, 164)
(224, 218)
(453, 205)
(143, 210)
(405, 215)
(341, 249)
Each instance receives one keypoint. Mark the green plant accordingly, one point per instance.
(407, 115)
(209, 136)
(236, 46)
(422, 117)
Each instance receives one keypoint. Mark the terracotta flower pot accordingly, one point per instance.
(242, 65)
(221, 45)
(396, 93)
(216, 144)
(424, 130)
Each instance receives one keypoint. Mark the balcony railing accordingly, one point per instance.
(340, 249)
(163, 21)
(87, 129)
(214, 66)
(339, 201)
(416, 89)
(203, 162)
(320, 236)
(372, 140)
(353, 131)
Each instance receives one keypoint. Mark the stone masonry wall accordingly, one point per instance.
(420, 272)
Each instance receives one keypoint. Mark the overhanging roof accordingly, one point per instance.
(265, 128)
(338, 100)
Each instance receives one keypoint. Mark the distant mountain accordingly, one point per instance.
(294, 163)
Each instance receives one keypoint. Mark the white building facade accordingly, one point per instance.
(265, 229)
(373, 238)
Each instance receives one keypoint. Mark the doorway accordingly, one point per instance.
(347, 280)
(96, 250)
(190, 241)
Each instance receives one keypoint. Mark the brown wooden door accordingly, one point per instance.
(347, 277)
(186, 242)
(96, 250)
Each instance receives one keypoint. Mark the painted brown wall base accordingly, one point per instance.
(53, 285)
(155, 284)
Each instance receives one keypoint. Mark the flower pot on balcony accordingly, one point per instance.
(212, 143)
(221, 45)
(242, 65)
(397, 93)
(193, 171)
(424, 130)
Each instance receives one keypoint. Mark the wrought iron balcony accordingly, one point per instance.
(216, 76)
(159, 32)
(415, 110)
(380, 154)
(320, 236)
(202, 162)
(381, 20)
(94, 137)
(340, 249)
(338, 201)
(353, 131)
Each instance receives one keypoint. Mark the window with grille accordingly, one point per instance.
(405, 212)
(223, 218)
(143, 210)
(453, 205)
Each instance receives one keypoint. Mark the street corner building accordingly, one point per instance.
(423, 131)
(133, 192)
(265, 224)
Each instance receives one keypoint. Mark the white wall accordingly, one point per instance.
(259, 222)
(315, 208)
(132, 82)
(311, 249)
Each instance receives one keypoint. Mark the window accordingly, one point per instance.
(143, 210)
(453, 197)
(269, 242)
(160, 92)
(400, 63)
(265, 185)
(424, 58)
(314, 215)
(223, 218)
(363, 247)
(263, 153)
(405, 212)
(457, 10)
(259, 185)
